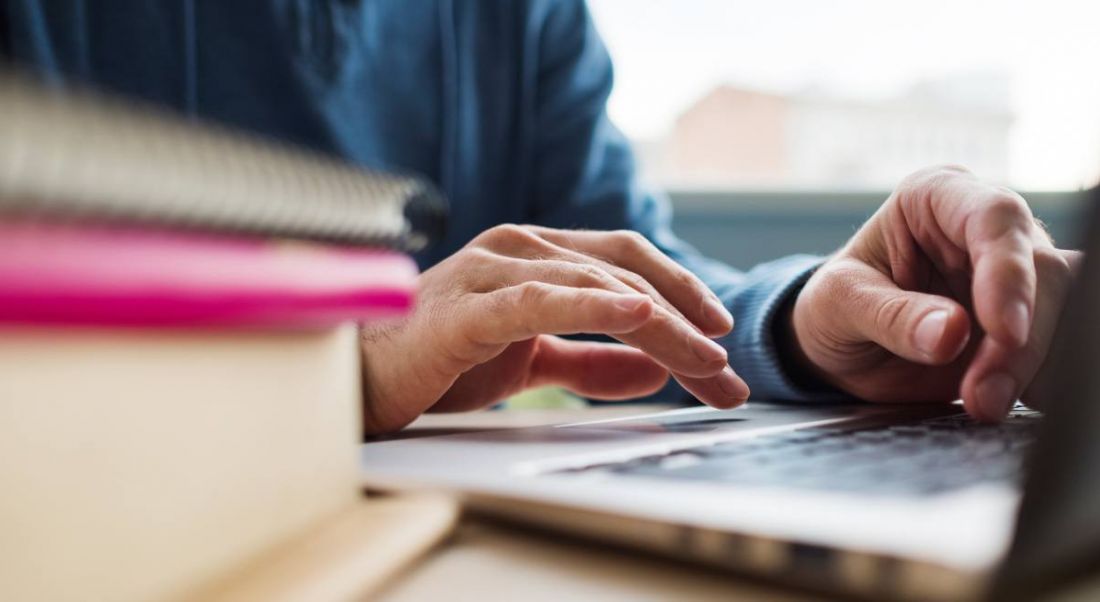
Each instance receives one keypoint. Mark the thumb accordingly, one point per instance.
(920, 327)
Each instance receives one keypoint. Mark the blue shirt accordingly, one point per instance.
(500, 102)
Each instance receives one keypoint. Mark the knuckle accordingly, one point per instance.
(457, 335)
(687, 280)
(630, 241)
(934, 174)
(920, 185)
(834, 280)
(478, 256)
(590, 275)
(589, 299)
(530, 294)
(891, 313)
(506, 235)
(1006, 204)
(508, 230)
(479, 269)
(501, 304)
(915, 189)
(635, 281)
(912, 181)
(1017, 270)
(952, 169)
(516, 308)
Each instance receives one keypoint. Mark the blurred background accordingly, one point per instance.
(777, 127)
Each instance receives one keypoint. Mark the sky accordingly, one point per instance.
(669, 52)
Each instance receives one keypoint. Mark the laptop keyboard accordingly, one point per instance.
(919, 458)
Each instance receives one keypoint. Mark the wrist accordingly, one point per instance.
(379, 405)
(793, 360)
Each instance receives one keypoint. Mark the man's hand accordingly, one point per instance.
(952, 289)
(486, 319)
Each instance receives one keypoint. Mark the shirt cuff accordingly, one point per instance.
(751, 346)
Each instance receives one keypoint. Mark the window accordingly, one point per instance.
(855, 94)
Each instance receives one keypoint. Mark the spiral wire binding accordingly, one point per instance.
(80, 155)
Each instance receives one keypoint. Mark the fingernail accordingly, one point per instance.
(630, 302)
(707, 350)
(996, 395)
(1018, 320)
(717, 313)
(930, 330)
(733, 387)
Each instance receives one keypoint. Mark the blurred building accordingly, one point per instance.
(735, 137)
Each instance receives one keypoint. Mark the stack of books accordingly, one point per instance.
(179, 362)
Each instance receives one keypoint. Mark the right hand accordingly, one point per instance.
(970, 256)
(486, 318)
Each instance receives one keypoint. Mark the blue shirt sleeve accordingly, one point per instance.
(585, 177)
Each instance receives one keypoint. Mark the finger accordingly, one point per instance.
(998, 232)
(632, 281)
(724, 391)
(991, 385)
(547, 262)
(923, 328)
(634, 253)
(665, 337)
(676, 346)
(1001, 249)
(526, 310)
(998, 375)
(596, 370)
(577, 269)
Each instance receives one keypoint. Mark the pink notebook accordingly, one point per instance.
(119, 276)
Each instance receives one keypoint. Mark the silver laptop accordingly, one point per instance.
(908, 502)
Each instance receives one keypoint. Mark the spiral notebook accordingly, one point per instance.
(117, 213)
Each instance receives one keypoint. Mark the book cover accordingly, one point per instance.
(76, 274)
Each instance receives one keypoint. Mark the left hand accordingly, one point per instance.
(952, 289)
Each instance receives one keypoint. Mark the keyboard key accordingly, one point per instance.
(921, 458)
(909, 431)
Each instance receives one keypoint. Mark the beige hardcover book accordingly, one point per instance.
(345, 559)
(140, 465)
